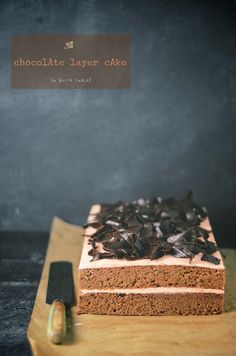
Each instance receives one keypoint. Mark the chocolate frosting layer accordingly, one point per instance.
(151, 229)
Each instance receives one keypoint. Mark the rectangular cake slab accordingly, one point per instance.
(165, 286)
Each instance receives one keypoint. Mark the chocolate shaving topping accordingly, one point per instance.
(151, 229)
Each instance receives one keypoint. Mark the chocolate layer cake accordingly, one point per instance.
(151, 257)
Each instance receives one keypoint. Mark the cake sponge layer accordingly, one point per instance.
(151, 301)
(151, 276)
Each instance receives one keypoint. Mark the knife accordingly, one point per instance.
(60, 294)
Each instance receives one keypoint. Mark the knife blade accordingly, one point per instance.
(60, 294)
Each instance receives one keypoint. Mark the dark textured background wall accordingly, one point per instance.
(174, 129)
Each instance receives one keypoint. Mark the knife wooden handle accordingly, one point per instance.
(56, 330)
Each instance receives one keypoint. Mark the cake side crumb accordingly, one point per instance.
(151, 276)
(151, 304)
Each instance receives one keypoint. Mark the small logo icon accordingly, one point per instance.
(69, 45)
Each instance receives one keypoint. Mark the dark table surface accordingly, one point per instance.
(21, 262)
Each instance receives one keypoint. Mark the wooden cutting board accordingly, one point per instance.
(125, 335)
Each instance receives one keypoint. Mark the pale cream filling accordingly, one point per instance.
(168, 260)
(158, 290)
